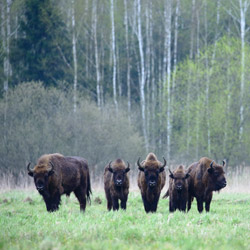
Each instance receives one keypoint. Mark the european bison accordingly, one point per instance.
(205, 177)
(116, 184)
(55, 175)
(178, 189)
(151, 180)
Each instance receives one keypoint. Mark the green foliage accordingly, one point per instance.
(39, 54)
(26, 224)
(41, 121)
(223, 77)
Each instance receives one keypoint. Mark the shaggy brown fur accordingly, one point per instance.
(206, 176)
(55, 175)
(151, 180)
(178, 189)
(116, 184)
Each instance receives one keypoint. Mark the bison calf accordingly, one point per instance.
(206, 176)
(151, 180)
(178, 189)
(116, 184)
(55, 175)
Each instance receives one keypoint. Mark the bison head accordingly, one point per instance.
(179, 180)
(151, 172)
(41, 175)
(118, 174)
(217, 176)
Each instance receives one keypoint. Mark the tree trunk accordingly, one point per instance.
(94, 28)
(191, 52)
(207, 83)
(128, 59)
(168, 47)
(113, 53)
(243, 10)
(142, 73)
(74, 54)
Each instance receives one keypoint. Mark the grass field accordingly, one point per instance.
(25, 224)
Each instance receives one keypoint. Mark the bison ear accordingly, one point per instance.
(30, 174)
(187, 175)
(224, 163)
(51, 172)
(210, 170)
(141, 169)
(161, 169)
(171, 174)
(110, 170)
(127, 169)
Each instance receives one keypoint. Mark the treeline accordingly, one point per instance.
(180, 69)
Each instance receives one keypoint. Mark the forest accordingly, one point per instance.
(105, 79)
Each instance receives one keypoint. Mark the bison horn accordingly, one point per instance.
(138, 163)
(224, 162)
(170, 172)
(110, 164)
(165, 162)
(51, 166)
(29, 169)
(211, 164)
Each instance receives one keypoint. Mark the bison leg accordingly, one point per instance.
(171, 206)
(190, 199)
(124, 203)
(183, 205)
(80, 194)
(208, 201)
(199, 204)
(109, 200)
(115, 203)
(146, 204)
(55, 202)
(154, 204)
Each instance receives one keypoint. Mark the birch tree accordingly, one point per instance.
(74, 52)
(94, 30)
(128, 58)
(113, 53)
(138, 32)
(167, 60)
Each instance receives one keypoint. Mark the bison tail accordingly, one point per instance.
(89, 191)
(165, 196)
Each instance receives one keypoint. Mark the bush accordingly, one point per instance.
(36, 121)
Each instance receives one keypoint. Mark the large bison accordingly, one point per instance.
(116, 184)
(206, 176)
(178, 189)
(151, 180)
(55, 175)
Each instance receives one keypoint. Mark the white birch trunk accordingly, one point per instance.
(113, 53)
(198, 87)
(176, 24)
(191, 52)
(147, 73)
(168, 30)
(243, 10)
(207, 83)
(74, 54)
(142, 71)
(128, 59)
(94, 28)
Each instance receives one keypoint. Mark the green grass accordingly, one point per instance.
(26, 225)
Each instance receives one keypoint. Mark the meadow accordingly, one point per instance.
(25, 224)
